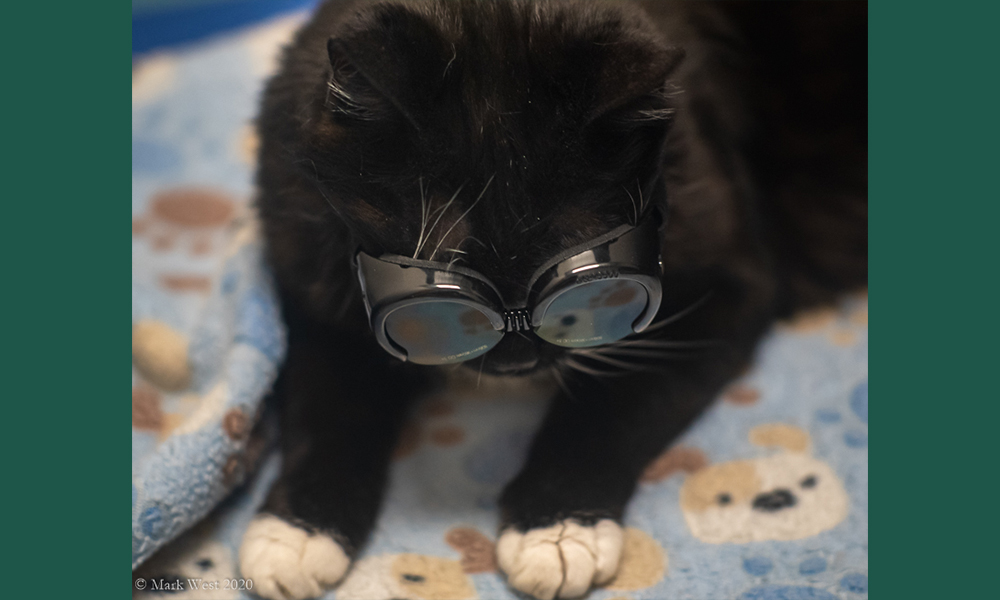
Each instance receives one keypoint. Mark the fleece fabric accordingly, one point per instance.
(791, 435)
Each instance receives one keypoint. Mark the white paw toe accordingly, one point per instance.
(563, 560)
(287, 563)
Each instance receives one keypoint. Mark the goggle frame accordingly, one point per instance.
(391, 282)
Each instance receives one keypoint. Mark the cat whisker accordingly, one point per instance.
(462, 243)
(533, 225)
(658, 114)
(462, 216)
(678, 315)
(348, 105)
(440, 213)
(572, 364)
(664, 344)
(642, 202)
(454, 259)
(454, 55)
(561, 382)
(300, 214)
(519, 221)
(345, 305)
(635, 209)
(474, 239)
(328, 201)
(511, 208)
(599, 373)
(614, 362)
(651, 354)
(479, 378)
(424, 215)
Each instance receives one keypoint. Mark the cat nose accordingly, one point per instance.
(514, 354)
(518, 366)
(774, 501)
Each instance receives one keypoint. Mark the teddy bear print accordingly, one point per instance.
(160, 354)
(786, 496)
(193, 216)
(839, 326)
(421, 577)
(192, 219)
(194, 568)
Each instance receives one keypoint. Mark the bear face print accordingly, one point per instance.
(787, 496)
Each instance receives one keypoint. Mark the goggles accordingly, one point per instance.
(595, 293)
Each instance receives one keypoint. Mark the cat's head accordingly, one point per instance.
(490, 134)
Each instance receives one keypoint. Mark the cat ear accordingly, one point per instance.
(388, 63)
(632, 106)
(633, 84)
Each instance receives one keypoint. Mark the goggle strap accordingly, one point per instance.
(612, 235)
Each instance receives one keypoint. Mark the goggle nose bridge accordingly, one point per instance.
(518, 319)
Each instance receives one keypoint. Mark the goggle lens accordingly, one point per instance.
(594, 313)
(441, 331)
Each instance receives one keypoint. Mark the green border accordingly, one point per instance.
(933, 164)
(933, 122)
(64, 239)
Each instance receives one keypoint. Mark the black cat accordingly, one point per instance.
(721, 149)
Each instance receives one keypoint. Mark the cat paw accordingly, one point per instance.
(288, 563)
(563, 560)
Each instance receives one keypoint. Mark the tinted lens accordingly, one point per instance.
(442, 331)
(594, 313)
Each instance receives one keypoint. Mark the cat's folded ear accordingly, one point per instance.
(388, 63)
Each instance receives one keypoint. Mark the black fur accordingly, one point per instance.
(553, 122)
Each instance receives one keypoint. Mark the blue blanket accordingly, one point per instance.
(207, 340)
